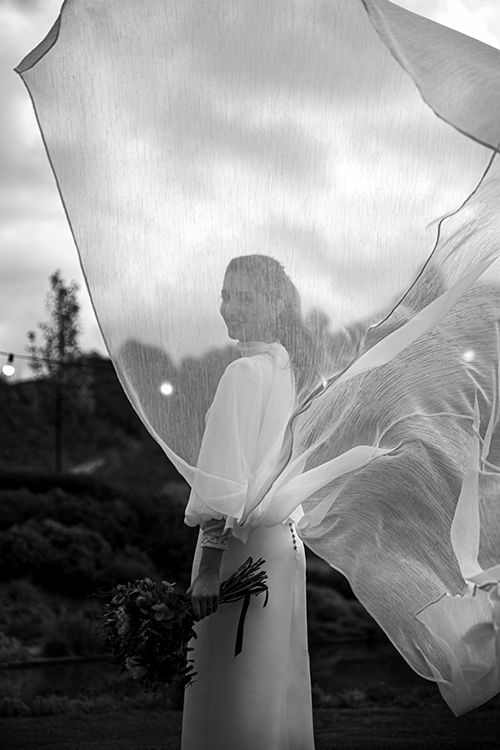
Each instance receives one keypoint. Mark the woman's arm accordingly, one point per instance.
(205, 589)
(227, 450)
(229, 445)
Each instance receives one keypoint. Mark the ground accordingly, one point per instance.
(335, 729)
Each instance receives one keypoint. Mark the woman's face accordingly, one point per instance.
(248, 313)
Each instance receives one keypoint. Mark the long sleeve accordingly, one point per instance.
(229, 446)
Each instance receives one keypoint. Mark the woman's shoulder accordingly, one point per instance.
(256, 366)
(245, 367)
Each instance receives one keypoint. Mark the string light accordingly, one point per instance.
(166, 388)
(65, 363)
(8, 368)
(469, 355)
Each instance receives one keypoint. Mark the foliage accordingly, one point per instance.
(11, 649)
(321, 573)
(70, 633)
(69, 559)
(83, 703)
(11, 705)
(330, 615)
(60, 333)
(98, 424)
(149, 625)
(24, 609)
(40, 482)
(378, 694)
(144, 532)
(110, 519)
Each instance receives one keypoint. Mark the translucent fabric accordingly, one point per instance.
(353, 142)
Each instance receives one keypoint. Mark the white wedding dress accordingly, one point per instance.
(357, 144)
(261, 698)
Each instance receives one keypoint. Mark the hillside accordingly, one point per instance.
(100, 432)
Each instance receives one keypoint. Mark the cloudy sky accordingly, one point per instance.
(34, 236)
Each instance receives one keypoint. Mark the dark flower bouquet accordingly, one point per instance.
(148, 624)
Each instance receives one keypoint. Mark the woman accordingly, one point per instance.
(260, 699)
(267, 126)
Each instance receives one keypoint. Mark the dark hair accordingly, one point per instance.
(303, 347)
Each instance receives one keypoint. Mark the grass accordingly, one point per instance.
(376, 716)
(342, 729)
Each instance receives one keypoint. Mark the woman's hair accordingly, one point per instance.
(302, 345)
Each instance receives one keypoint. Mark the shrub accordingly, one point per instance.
(325, 604)
(24, 608)
(78, 557)
(69, 559)
(349, 698)
(129, 564)
(11, 649)
(10, 705)
(44, 482)
(320, 698)
(72, 634)
(48, 705)
(320, 573)
(22, 549)
(112, 519)
(331, 615)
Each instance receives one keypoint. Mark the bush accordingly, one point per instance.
(38, 483)
(152, 524)
(11, 649)
(10, 705)
(129, 564)
(22, 549)
(112, 519)
(24, 608)
(320, 573)
(48, 705)
(350, 698)
(330, 615)
(320, 698)
(169, 542)
(325, 604)
(68, 559)
(72, 634)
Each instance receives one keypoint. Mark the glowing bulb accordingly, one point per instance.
(469, 355)
(166, 388)
(8, 368)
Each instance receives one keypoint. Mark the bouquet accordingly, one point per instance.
(148, 624)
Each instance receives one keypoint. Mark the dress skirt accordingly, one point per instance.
(260, 699)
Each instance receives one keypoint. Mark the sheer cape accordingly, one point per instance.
(354, 142)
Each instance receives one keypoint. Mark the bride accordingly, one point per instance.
(261, 698)
(333, 135)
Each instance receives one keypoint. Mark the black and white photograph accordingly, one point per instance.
(250, 375)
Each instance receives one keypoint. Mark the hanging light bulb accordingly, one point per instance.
(166, 388)
(8, 368)
(469, 355)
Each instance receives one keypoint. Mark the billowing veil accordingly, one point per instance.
(353, 142)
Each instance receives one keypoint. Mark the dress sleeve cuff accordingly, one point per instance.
(213, 534)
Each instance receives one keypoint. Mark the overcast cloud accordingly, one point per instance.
(34, 236)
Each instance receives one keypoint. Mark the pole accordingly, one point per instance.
(58, 424)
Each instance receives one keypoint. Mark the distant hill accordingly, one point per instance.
(101, 433)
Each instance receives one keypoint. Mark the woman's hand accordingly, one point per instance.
(204, 592)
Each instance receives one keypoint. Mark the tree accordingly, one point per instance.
(60, 333)
(57, 355)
